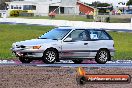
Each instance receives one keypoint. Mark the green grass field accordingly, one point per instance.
(62, 17)
(113, 19)
(123, 45)
(14, 33)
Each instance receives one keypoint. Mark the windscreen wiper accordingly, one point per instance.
(42, 38)
(54, 39)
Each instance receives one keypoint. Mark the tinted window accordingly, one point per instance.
(79, 35)
(11, 6)
(29, 7)
(98, 34)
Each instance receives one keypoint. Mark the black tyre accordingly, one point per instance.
(25, 60)
(102, 56)
(77, 61)
(50, 56)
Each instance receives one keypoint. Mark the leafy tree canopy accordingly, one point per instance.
(129, 2)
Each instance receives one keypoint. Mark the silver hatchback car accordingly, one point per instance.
(64, 43)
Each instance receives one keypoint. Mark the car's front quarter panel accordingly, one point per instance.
(27, 50)
(56, 45)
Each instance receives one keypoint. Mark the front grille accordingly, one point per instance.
(20, 46)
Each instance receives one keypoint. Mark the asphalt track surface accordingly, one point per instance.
(126, 65)
(110, 64)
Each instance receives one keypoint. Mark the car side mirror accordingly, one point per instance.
(68, 40)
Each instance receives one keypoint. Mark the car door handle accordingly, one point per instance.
(85, 43)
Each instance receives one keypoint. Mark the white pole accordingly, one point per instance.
(131, 24)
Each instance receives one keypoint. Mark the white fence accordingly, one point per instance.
(3, 13)
(127, 26)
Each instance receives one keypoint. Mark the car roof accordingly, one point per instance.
(69, 27)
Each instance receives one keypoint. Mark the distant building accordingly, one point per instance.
(121, 4)
(44, 7)
(83, 8)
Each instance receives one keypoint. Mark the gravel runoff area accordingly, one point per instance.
(54, 77)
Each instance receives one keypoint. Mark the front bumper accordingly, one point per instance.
(112, 52)
(27, 53)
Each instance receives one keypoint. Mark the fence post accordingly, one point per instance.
(131, 24)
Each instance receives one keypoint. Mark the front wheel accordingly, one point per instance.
(50, 56)
(102, 56)
(25, 60)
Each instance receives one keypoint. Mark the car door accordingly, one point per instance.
(77, 47)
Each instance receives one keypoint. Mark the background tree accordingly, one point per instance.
(129, 2)
(103, 5)
(100, 6)
(3, 4)
(95, 4)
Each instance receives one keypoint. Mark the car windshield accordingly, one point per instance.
(55, 34)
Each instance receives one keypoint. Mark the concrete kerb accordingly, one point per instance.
(69, 23)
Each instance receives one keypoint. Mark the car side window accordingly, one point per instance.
(79, 35)
(98, 35)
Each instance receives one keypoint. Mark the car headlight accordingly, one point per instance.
(36, 47)
(13, 45)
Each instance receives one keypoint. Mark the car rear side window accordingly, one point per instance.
(98, 35)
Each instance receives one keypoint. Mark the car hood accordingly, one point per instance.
(34, 42)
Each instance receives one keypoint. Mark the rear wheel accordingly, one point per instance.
(77, 61)
(25, 60)
(102, 56)
(50, 56)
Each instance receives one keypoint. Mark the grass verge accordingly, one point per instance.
(62, 17)
(123, 44)
(14, 33)
(113, 18)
